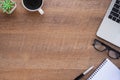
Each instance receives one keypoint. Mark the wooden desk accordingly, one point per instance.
(55, 46)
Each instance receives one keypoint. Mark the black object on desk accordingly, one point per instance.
(83, 74)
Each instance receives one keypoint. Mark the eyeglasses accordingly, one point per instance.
(99, 46)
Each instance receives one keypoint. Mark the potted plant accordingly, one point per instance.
(8, 6)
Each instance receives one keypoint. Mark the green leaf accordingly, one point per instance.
(4, 10)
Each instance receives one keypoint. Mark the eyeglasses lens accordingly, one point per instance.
(113, 54)
(99, 46)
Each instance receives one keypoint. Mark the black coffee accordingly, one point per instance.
(32, 4)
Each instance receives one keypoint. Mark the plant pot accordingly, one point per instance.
(8, 6)
(12, 8)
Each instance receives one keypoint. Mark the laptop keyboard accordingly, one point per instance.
(115, 13)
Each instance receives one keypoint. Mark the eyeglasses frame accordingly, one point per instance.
(107, 48)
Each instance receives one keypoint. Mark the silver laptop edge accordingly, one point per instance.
(109, 30)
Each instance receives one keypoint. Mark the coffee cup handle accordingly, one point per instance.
(41, 11)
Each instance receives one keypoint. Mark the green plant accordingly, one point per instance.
(6, 5)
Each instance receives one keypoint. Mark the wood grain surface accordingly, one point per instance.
(54, 46)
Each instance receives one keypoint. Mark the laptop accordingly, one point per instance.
(109, 29)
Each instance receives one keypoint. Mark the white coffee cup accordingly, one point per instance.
(32, 10)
